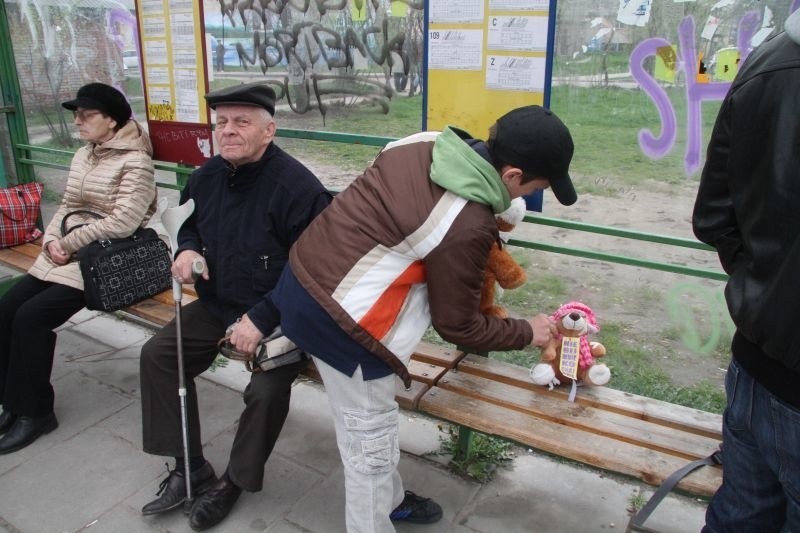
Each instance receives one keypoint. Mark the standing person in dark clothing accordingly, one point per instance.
(748, 208)
(251, 203)
(220, 57)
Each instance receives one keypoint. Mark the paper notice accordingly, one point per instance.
(518, 33)
(455, 49)
(514, 73)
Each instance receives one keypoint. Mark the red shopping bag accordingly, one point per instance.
(19, 212)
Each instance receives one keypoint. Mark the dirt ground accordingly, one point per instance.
(676, 318)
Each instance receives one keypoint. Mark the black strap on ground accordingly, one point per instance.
(638, 519)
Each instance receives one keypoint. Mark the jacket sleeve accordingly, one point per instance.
(264, 315)
(714, 220)
(130, 206)
(53, 230)
(454, 272)
(188, 236)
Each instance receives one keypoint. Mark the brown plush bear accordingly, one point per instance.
(501, 268)
(570, 357)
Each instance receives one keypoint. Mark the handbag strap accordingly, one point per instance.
(226, 348)
(77, 212)
(637, 521)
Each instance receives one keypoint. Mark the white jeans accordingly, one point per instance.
(366, 419)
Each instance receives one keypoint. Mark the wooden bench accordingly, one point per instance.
(612, 430)
(606, 428)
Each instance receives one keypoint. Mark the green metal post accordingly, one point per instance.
(465, 437)
(180, 177)
(465, 434)
(12, 96)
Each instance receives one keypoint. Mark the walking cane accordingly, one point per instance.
(173, 218)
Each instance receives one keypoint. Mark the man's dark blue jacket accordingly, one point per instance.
(244, 222)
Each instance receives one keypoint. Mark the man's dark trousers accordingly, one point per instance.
(266, 397)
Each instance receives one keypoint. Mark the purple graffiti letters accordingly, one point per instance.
(652, 146)
(696, 92)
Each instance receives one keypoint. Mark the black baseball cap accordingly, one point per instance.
(256, 94)
(535, 140)
(104, 98)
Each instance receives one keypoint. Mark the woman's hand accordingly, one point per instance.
(57, 253)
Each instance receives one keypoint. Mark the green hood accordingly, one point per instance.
(461, 170)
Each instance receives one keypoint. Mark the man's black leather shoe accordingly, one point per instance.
(6, 421)
(173, 488)
(213, 506)
(25, 430)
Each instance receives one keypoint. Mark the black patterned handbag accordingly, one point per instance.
(121, 272)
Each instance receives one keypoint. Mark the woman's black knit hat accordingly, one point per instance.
(103, 98)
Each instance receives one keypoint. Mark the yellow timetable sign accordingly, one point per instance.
(485, 57)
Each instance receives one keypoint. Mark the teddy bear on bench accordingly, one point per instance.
(570, 356)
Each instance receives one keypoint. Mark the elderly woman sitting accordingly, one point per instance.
(112, 176)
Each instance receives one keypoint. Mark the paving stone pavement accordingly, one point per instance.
(91, 475)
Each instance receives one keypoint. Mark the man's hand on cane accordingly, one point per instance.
(188, 266)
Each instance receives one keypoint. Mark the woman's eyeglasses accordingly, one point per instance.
(85, 114)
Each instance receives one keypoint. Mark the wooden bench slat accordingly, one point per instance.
(601, 451)
(437, 355)
(27, 249)
(409, 399)
(545, 404)
(20, 257)
(605, 398)
(425, 372)
(165, 297)
(153, 311)
(17, 262)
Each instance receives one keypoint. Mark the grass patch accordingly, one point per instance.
(542, 291)
(632, 355)
(488, 453)
(55, 158)
(50, 196)
(605, 124)
(404, 118)
(633, 371)
(591, 65)
(219, 362)
(636, 501)
(365, 118)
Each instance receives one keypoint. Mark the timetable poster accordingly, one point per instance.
(485, 57)
(175, 79)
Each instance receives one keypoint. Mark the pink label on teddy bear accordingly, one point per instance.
(570, 350)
